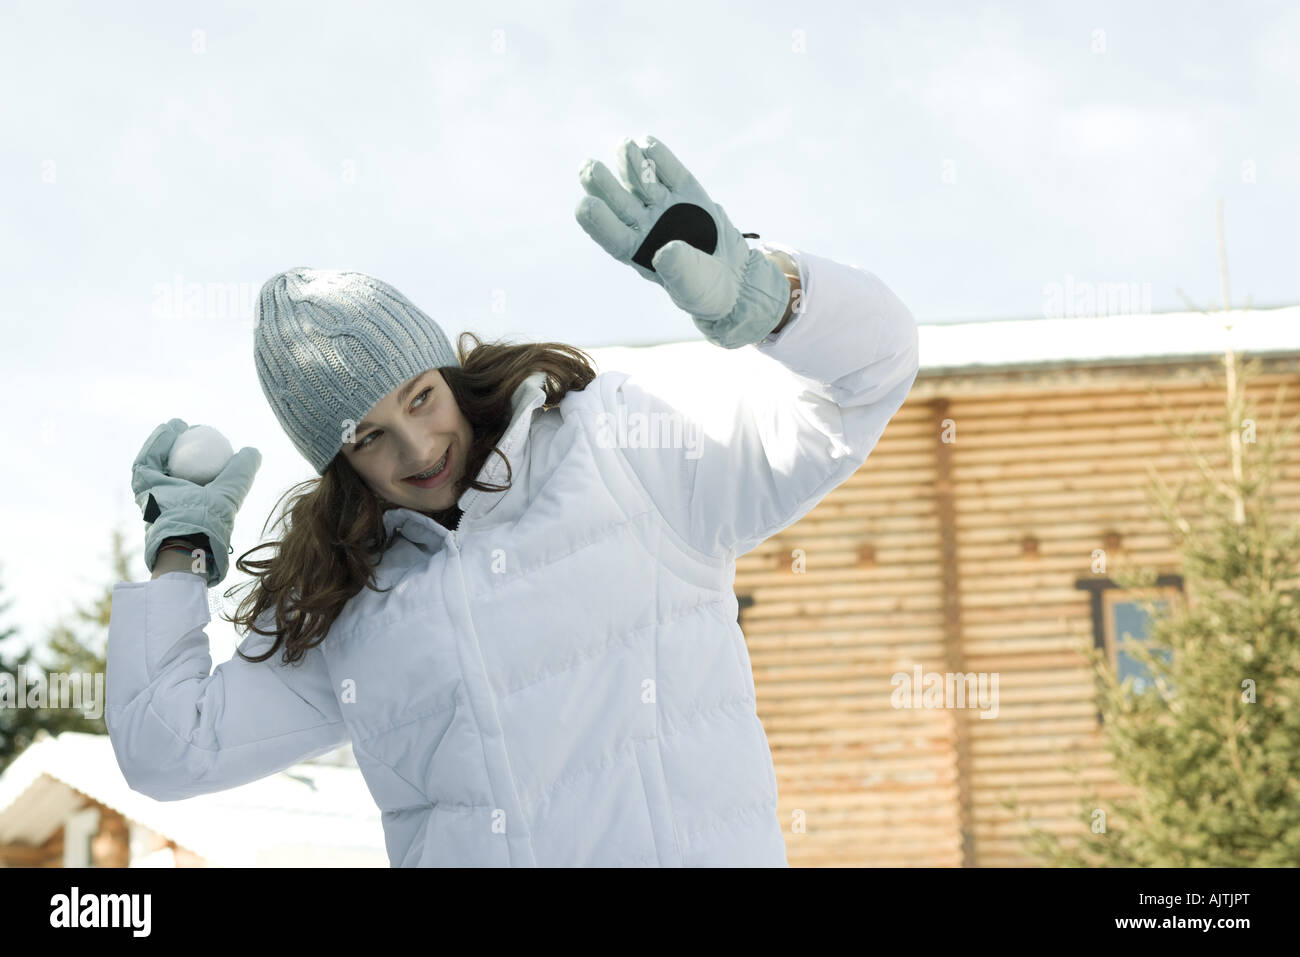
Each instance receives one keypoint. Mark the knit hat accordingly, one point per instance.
(329, 345)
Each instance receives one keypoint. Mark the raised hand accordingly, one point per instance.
(662, 223)
(175, 508)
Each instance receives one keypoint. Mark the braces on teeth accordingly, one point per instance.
(433, 471)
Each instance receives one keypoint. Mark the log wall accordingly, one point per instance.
(963, 556)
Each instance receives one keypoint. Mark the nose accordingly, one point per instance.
(416, 451)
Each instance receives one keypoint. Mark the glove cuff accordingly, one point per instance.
(764, 293)
(216, 550)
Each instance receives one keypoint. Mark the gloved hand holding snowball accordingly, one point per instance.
(187, 483)
(199, 455)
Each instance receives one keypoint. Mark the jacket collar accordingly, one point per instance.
(475, 503)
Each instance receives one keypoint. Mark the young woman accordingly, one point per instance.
(522, 619)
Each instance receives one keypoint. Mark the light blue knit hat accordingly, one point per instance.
(329, 344)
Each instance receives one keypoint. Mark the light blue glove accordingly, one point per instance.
(665, 227)
(175, 507)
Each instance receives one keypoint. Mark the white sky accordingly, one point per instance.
(969, 155)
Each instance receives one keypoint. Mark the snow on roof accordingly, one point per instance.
(1001, 343)
(1156, 337)
(307, 808)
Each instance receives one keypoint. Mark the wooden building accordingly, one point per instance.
(967, 543)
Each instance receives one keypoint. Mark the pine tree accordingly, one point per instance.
(67, 652)
(73, 654)
(16, 724)
(1212, 748)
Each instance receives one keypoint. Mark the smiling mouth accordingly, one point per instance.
(437, 469)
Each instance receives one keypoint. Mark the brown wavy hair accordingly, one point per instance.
(334, 533)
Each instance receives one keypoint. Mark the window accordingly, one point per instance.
(742, 602)
(1127, 621)
(78, 831)
(1119, 620)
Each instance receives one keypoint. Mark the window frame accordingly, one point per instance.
(1104, 593)
(1113, 596)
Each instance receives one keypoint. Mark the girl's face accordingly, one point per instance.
(409, 431)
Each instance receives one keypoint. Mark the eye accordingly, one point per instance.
(370, 435)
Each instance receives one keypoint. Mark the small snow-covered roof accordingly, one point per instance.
(310, 813)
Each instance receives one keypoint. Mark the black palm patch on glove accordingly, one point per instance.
(684, 221)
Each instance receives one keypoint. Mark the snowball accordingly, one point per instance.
(199, 454)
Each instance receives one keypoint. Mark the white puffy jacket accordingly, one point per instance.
(561, 680)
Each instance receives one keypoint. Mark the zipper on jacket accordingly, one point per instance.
(483, 709)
